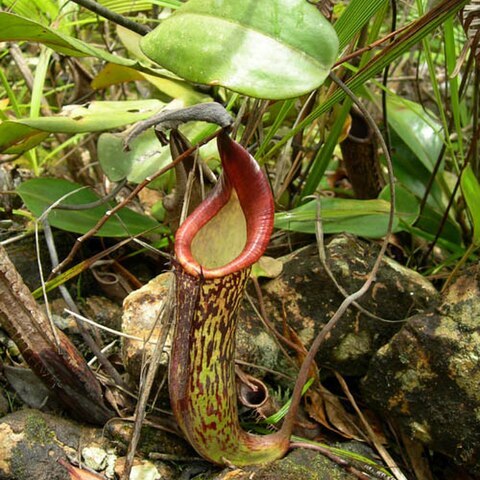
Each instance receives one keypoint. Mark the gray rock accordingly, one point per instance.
(31, 443)
(306, 298)
(427, 378)
(95, 458)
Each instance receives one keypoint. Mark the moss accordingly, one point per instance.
(18, 466)
(37, 431)
(353, 346)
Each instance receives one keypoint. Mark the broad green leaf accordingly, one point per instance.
(16, 138)
(407, 206)
(267, 267)
(262, 48)
(16, 28)
(471, 193)
(39, 193)
(430, 221)
(113, 74)
(173, 87)
(145, 157)
(38, 10)
(20, 135)
(411, 172)
(417, 128)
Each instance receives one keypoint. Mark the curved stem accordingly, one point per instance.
(302, 378)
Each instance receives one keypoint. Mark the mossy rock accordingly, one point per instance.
(427, 377)
(300, 464)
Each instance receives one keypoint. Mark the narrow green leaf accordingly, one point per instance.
(20, 135)
(16, 28)
(40, 193)
(471, 193)
(262, 48)
(355, 16)
(367, 218)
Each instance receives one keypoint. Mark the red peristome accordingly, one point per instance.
(242, 174)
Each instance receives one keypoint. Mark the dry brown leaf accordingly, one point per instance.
(78, 473)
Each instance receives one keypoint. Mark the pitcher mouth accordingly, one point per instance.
(231, 228)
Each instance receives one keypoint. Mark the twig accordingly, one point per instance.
(171, 119)
(82, 318)
(96, 203)
(66, 294)
(163, 316)
(323, 260)
(276, 335)
(113, 17)
(327, 329)
(267, 321)
(373, 45)
(371, 434)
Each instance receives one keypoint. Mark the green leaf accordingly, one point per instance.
(417, 128)
(20, 135)
(471, 193)
(262, 48)
(355, 16)
(430, 221)
(403, 42)
(360, 217)
(367, 218)
(407, 206)
(411, 172)
(39, 193)
(145, 157)
(15, 28)
(173, 87)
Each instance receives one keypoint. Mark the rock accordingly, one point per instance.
(147, 470)
(95, 458)
(306, 298)
(31, 442)
(427, 377)
(154, 442)
(103, 311)
(300, 464)
(141, 310)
